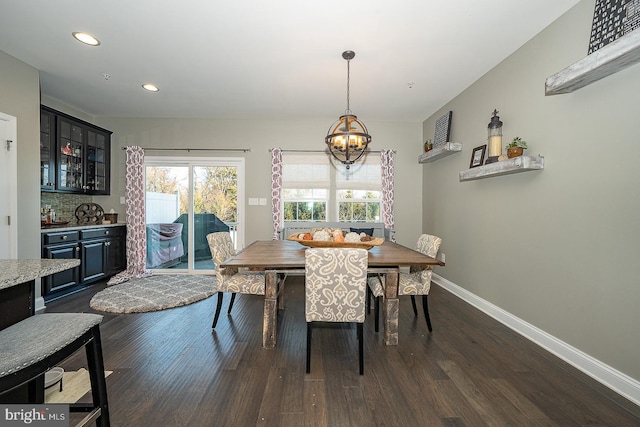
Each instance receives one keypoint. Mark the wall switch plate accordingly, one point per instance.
(442, 257)
(253, 201)
(122, 202)
(263, 201)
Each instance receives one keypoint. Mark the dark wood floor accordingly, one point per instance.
(170, 369)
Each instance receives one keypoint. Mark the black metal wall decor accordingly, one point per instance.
(443, 130)
(613, 19)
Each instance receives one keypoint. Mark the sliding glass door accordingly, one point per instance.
(186, 199)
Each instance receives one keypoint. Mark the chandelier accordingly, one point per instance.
(347, 138)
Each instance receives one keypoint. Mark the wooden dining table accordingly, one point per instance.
(280, 257)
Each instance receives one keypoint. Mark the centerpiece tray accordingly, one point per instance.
(376, 241)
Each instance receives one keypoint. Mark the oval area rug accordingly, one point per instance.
(154, 293)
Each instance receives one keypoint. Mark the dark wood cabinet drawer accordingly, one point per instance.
(96, 233)
(60, 237)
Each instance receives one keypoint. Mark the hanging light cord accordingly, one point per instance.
(348, 78)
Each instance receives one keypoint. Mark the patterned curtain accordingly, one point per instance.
(136, 227)
(386, 163)
(276, 191)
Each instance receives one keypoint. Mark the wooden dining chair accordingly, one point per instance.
(416, 282)
(335, 287)
(230, 279)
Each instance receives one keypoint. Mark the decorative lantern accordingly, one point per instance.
(495, 138)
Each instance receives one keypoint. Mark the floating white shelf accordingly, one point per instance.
(605, 61)
(440, 152)
(505, 167)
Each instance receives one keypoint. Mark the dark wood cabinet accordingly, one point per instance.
(116, 253)
(93, 264)
(78, 154)
(101, 251)
(16, 304)
(60, 245)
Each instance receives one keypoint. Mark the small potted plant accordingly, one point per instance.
(516, 147)
(428, 145)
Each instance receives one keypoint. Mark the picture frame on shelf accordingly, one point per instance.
(477, 156)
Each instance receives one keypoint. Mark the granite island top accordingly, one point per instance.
(16, 271)
(70, 227)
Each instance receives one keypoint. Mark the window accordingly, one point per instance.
(305, 204)
(186, 199)
(359, 205)
(314, 189)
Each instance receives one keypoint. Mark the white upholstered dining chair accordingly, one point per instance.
(416, 282)
(335, 289)
(230, 279)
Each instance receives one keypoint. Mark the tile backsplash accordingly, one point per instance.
(64, 204)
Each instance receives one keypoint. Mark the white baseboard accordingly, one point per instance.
(617, 381)
(39, 306)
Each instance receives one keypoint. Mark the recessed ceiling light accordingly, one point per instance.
(150, 87)
(86, 38)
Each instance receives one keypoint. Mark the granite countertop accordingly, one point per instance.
(16, 271)
(71, 226)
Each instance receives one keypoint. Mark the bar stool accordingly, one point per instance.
(32, 346)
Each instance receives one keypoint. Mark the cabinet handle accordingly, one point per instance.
(106, 232)
(64, 237)
(77, 248)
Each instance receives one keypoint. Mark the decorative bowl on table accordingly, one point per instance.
(307, 239)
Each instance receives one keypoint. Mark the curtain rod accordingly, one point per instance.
(244, 150)
(319, 151)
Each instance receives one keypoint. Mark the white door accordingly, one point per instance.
(8, 188)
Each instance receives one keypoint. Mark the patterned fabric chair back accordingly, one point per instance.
(335, 285)
(419, 282)
(222, 249)
(428, 245)
(230, 279)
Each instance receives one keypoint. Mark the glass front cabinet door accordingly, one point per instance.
(83, 157)
(71, 156)
(97, 161)
(47, 151)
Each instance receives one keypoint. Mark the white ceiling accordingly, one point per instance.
(277, 59)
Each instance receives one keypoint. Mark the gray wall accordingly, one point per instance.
(557, 248)
(20, 97)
